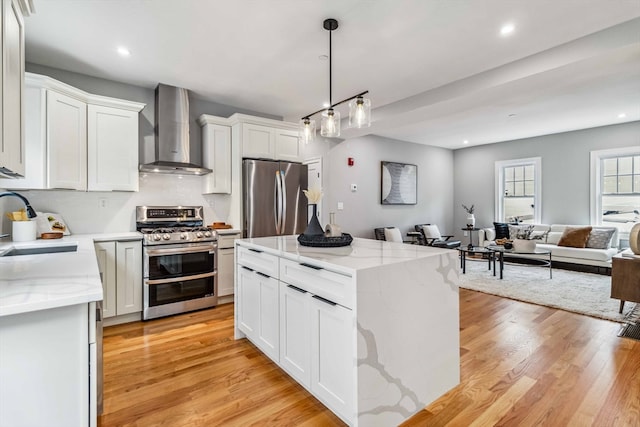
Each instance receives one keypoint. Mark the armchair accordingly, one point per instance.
(431, 237)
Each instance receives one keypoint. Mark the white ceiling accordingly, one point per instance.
(438, 71)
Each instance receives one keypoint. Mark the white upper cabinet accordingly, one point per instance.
(77, 141)
(269, 139)
(112, 149)
(11, 88)
(216, 154)
(67, 142)
(258, 141)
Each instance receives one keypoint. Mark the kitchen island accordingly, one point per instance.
(370, 329)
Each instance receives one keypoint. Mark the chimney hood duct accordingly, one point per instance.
(172, 134)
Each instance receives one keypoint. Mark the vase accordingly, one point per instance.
(471, 221)
(634, 239)
(314, 228)
(524, 245)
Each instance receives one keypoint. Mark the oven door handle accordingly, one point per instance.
(177, 251)
(181, 279)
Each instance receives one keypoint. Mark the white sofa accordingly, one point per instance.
(584, 256)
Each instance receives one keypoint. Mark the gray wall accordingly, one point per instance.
(362, 209)
(565, 171)
(197, 106)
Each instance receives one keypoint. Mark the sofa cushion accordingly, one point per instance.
(553, 237)
(565, 252)
(489, 233)
(502, 230)
(575, 237)
(600, 238)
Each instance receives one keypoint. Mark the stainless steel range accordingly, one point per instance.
(180, 259)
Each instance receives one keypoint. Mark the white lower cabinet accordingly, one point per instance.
(295, 343)
(291, 314)
(332, 369)
(258, 312)
(120, 265)
(226, 263)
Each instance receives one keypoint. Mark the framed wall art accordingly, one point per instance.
(399, 183)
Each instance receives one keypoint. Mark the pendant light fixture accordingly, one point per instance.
(359, 107)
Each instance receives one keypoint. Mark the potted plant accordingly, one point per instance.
(524, 239)
(471, 219)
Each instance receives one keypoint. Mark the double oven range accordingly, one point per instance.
(179, 260)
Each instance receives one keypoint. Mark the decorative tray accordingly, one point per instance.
(321, 241)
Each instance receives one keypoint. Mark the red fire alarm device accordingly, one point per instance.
(350, 161)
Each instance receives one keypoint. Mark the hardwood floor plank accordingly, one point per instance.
(521, 364)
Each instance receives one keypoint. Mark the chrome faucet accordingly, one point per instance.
(30, 212)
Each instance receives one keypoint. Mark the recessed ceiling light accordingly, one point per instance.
(507, 29)
(465, 142)
(123, 51)
(622, 115)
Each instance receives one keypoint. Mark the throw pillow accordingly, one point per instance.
(392, 234)
(502, 230)
(515, 229)
(575, 237)
(600, 238)
(431, 232)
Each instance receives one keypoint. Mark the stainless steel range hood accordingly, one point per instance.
(172, 134)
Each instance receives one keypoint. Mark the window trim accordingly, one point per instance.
(595, 190)
(499, 186)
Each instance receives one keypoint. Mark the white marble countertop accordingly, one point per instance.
(225, 231)
(44, 281)
(361, 254)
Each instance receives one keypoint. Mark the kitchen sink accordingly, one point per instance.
(41, 250)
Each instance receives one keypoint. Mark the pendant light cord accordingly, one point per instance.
(330, 70)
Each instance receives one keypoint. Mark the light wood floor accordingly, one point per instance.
(521, 365)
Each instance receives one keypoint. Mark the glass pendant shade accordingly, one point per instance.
(360, 113)
(307, 130)
(330, 126)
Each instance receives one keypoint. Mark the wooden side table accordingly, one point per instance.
(625, 279)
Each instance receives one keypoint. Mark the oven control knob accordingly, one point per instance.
(183, 236)
(156, 237)
(166, 236)
(207, 234)
(199, 234)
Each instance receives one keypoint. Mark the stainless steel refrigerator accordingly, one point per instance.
(274, 203)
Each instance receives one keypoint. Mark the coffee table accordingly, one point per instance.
(501, 252)
(464, 250)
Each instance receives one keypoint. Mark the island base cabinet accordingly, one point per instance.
(295, 328)
(258, 314)
(332, 364)
(44, 368)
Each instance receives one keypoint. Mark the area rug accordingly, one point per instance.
(583, 293)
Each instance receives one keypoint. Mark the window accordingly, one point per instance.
(615, 188)
(518, 190)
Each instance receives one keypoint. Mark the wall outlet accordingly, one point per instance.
(102, 203)
(465, 233)
(340, 206)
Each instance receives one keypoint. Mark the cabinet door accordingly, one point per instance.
(258, 142)
(295, 357)
(67, 142)
(112, 149)
(225, 271)
(288, 145)
(128, 277)
(269, 323)
(248, 301)
(332, 366)
(12, 88)
(216, 155)
(106, 254)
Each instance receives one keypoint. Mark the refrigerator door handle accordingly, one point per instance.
(283, 219)
(278, 202)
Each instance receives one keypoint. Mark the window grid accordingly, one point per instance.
(621, 175)
(519, 181)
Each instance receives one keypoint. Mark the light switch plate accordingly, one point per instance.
(340, 206)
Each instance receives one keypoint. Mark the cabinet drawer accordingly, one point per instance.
(335, 287)
(225, 241)
(258, 260)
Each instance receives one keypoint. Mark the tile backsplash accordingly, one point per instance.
(110, 212)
